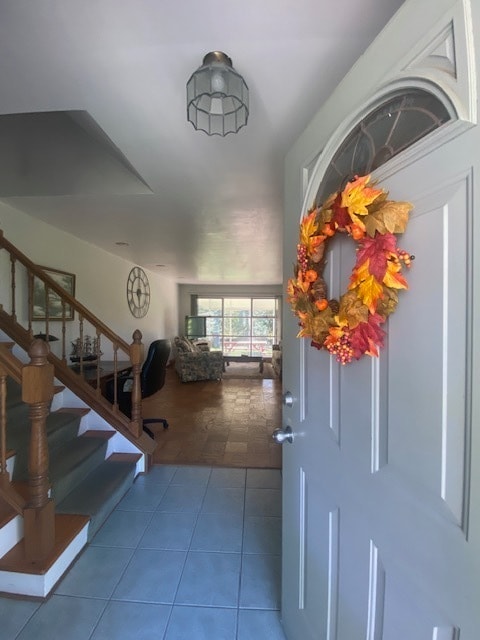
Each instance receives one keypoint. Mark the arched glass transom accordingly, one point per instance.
(399, 122)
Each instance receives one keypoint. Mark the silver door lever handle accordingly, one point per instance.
(283, 435)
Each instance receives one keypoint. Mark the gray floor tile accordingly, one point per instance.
(260, 587)
(143, 497)
(192, 475)
(167, 565)
(228, 478)
(123, 529)
(64, 618)
(151, 576)
(159, 473)
(210, 579)
(14, 615)
(169, 531)
(202, 623)
(263, 502)
(262, 535)
(178, 498)
(96, 572)
(218, 500)
(264, 479)
(132, 621)
(218, 532)
(259, 624)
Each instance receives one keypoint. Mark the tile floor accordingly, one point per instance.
(191, 553)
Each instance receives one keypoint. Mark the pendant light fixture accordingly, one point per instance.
(217, 96)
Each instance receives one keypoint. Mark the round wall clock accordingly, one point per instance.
(138, 292)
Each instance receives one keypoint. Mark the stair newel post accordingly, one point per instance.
(39, 515)
(136, 358)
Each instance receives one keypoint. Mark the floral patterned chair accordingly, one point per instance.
(194, 363)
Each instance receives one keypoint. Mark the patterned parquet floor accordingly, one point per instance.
(226, 423)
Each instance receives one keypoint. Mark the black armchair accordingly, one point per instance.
(152, 379)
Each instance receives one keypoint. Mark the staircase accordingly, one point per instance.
(86, 478)
(91, 467)
(67, 455)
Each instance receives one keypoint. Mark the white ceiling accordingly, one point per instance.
(214, 213)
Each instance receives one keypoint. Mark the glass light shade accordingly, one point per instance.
(217, 96)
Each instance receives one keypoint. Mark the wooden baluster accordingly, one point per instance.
(3, 421)
(64, 341)
(97, 353)
(47, 311)
(80, 322)
(64, 317)
(30, 302)
(13, 284)
(136, 358)
(115, 374)
(39, 515)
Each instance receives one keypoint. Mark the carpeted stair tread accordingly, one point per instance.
(17, 410)
(62, 428)
(14, 392)
(71, 463)
(99, 493)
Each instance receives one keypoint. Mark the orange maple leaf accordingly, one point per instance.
(356, 196)
(309, 236)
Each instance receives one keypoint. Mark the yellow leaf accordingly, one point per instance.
(308, 231)
(359, 274)
(395, 215)
(369, 290)
(393, 278)
(308, 227)
(374, 222)
(356, 196)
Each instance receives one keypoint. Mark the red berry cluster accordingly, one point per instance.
(342, 349)
(302, 257)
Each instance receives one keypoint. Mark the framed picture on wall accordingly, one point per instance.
(39, 296)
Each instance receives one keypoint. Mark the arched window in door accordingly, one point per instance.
(400, 121)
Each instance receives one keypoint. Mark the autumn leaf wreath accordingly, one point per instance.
(350, 327)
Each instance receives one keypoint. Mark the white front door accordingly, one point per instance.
(381, 482)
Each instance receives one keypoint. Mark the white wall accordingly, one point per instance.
(100, 277)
